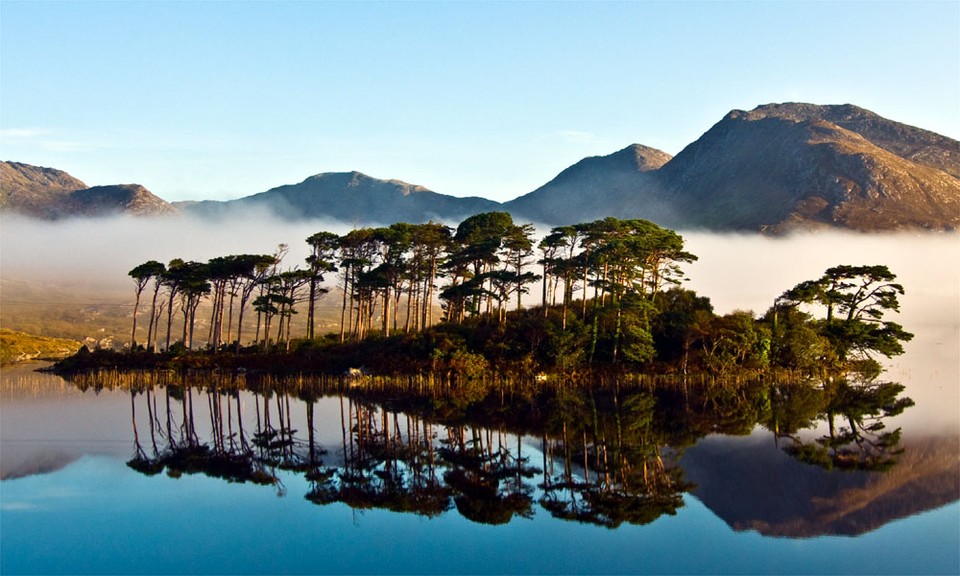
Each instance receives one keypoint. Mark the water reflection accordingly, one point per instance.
(624, 452)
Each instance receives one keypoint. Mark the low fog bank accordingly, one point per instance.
(747, 272)
(744, 272)
(737, 272)
(101, 251)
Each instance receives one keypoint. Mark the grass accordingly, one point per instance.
(20, 347)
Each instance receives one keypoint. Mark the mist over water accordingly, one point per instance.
(737, 272)
(743, 272)
(100, 250)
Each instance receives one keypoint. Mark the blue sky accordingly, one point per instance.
(220, 100)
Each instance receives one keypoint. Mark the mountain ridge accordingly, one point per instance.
(772, 169)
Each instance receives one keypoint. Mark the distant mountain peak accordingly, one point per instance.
(52, 194)
(127, 198)
(782, 166)
(646, 158)
(593, 188)
(355, 179)
(801, 111)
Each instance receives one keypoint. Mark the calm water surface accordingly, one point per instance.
(472, 499)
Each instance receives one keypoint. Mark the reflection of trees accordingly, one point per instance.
(609, 450)
(230, 452)
(389, 463)
(857, 437)
(486, 476)
(613, 462)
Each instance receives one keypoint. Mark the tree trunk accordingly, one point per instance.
(153, 311)
(133, 335)
(343, 309)
(169, 319)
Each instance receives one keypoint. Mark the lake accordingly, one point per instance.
(216, 479)
(106, 481)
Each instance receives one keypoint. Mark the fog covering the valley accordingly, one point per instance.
(736, 271)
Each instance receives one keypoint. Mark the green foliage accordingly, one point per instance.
(855, 299)
(798, 342)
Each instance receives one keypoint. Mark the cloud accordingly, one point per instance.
(578, 137)
(23, 133)
(46, 139)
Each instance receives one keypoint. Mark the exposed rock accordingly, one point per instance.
(51, 194)
(781, 167)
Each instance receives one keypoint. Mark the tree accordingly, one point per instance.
(357, 250)
(192, 279)
(479, 239)
(855, 299)
(142, 274)
(518, 247)
(171, 281)
(430, 243)
(323, 251)
(248, 273)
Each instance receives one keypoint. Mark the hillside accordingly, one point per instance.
(20, 347)
(130, 199)
(786, 166)
(33, 190)
(50, 194)
(593, 188)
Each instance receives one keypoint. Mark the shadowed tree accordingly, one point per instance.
(142, 274)
(323, 253)
(479, 239)
(430, 243)
(247, 273)
(172, 282)
(192, 279)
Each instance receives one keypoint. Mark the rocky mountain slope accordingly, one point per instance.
(50, 194)
(800, 165)
(593, 188)
(34, 191)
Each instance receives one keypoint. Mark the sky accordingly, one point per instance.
(223, 99)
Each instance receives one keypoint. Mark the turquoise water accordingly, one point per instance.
(70, 504)
(97, 516)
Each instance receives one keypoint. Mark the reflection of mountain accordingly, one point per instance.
(752, 485)
(20, 464)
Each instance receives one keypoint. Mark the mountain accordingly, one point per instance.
(350, 197)
(775, 168)
(131, 199)
(34, 191)
(593, 188)
(51, 194)
(786, 166)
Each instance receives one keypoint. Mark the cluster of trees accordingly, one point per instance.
(609, 295)
(229, 282)
(392, 274)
